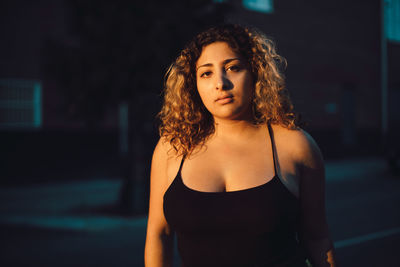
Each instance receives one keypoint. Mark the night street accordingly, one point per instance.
(88, 88)
(41, 225)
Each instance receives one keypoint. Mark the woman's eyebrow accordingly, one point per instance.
(226, 61)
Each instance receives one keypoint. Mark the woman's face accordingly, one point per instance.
(224, 82)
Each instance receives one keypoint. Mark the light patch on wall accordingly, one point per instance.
(123, 114)
(264, 6)
(331, 108)
(392, 20)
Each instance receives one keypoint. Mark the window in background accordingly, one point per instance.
(20, 104)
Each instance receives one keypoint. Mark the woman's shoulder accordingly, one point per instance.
(166, 157)
(298, 142)
(164, 150)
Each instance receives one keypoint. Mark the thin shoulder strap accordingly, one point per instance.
(271, 135)
(180, 166)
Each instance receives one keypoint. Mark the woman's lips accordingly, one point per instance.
(225, 99)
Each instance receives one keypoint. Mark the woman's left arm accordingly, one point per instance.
(314, 233)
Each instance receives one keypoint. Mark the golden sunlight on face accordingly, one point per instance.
(224, 82)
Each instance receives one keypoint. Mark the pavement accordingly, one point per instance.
(70, 223)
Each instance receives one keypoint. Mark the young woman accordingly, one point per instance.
(233, 175)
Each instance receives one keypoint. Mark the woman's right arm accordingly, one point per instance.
(159, 237)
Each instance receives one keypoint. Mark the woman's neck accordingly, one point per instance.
(234, 130)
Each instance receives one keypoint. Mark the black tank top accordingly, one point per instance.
(251, 227)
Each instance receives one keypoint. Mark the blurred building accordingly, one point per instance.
(333, 51)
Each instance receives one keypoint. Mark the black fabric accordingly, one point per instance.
(251, 227)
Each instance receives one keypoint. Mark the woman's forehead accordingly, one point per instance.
(216, 52)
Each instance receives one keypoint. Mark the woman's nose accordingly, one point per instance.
(222, 81)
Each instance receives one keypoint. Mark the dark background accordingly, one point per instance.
(96, 59)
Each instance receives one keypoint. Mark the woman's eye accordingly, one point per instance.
(234, 68)
(205, 74)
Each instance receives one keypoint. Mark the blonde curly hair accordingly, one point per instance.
(185, 121)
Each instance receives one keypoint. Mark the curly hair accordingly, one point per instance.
(185, 121)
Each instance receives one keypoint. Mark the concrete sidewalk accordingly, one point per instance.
(65, 206)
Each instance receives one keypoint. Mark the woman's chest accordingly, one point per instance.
(228, 167)
(221, 170)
